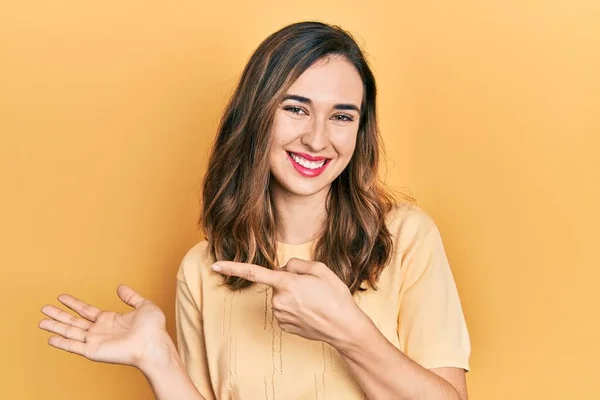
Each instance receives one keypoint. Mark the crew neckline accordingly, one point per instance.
(306, 244)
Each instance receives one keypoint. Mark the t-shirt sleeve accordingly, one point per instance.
(188, 321)
(431, 325)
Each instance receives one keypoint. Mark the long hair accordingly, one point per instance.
(238, 214)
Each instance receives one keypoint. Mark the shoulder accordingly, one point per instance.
(408, 224)
(196, 260)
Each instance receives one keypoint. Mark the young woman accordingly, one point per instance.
(313, 283)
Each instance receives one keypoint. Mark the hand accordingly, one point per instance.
(309, 300)
(135, 338)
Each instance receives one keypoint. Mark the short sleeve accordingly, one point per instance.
(431, 325)
(188, 321)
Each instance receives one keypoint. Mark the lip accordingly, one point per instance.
(307, 172)
(308, 156)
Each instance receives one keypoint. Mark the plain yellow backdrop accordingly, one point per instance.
(490, 114)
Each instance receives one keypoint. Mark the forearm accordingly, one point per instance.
(168, 377)
(384, 372)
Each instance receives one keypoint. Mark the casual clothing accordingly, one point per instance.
(233, 348)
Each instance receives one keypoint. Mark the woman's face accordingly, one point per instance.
(315, 127)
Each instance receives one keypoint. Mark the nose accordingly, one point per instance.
(316, 138)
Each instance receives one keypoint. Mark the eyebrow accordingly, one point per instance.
(306, 100)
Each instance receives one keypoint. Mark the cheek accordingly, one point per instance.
(345, 143)
(285, 130)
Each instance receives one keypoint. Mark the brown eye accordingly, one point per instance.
(343, 118)
(295, 110)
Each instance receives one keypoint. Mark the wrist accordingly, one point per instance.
(352, 335)
(159, 355)
(166, 373)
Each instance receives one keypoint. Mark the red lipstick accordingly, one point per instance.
(308, 172)
(309, 157)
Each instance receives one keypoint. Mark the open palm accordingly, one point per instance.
(107, 336)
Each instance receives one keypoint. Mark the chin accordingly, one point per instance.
(302, 187)
(305, 190)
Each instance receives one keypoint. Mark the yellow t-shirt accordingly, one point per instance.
(233, 348)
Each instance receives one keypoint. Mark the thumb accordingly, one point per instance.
(130, 296)
(303, 267)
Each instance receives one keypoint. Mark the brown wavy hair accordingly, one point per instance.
(238, 214)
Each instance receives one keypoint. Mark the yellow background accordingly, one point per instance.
(489, 111)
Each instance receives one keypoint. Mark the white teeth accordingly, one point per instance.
(307, 164)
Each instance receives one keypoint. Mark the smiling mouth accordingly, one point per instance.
(311, 165)
(306, 168)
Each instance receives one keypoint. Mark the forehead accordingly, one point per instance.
(331, 80)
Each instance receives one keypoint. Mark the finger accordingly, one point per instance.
(130, 296)
(85, 310)
(251, 272)
(66, 318)
(287, 327)
(283, 316)
(67, 331)
(72, 346)
(303, 267)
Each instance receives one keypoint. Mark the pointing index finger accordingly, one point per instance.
(251, 272)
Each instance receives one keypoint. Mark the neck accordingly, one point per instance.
(299, 218)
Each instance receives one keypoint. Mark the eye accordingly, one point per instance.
(343, 117)
(295, 110)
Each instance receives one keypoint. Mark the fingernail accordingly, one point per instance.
(217, 268)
